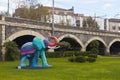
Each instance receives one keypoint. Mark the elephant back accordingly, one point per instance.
(28, 48)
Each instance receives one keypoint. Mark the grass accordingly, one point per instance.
(105, 68)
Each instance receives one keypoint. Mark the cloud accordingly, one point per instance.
(79, 1)
(3, 8)
(3, 4)
(3, 1)
(107, 5)
(88, 1)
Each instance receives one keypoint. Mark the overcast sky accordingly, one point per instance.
(103, 8)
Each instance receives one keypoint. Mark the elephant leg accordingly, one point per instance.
(30, 58)
(35, 60)
(23, 61)
(43, 58)
(30, 61)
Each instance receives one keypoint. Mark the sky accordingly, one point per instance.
(101, 8)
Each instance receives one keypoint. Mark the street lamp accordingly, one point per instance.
(52, 17)
(8, 9)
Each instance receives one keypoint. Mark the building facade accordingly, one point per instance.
(114, 25)
(65, 17)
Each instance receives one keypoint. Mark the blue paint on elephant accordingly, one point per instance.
(34, 50)
(38, 43)
(40, 46)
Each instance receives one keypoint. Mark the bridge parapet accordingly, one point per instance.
(11, 21)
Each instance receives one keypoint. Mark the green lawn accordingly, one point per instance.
(105, 68)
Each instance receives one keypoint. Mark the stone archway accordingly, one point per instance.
(22, 33)
(95, 38)
(23, 36)
(18, 34)
(114, 42)
(102, 45)
(73, 37)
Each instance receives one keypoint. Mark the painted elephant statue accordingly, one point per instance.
(34, 50)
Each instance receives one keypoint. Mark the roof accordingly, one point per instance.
(114, 20)
(56, 8)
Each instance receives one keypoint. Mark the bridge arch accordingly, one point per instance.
(113, 42)
(73, 37)
(102, 45)
(23, 36)
(115, 49)
(22, 33)
(95, 38)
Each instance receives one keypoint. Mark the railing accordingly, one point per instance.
(26, 21)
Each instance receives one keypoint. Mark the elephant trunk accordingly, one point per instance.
(55, 41)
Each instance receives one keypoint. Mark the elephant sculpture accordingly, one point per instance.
(34, 50)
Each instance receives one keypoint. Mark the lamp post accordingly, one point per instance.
(8, 9)
(52, 17)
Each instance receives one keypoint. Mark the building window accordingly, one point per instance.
(77, 22)
(119, 27)
(113, 27)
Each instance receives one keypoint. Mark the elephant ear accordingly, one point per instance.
(46, 41)
(55, 41)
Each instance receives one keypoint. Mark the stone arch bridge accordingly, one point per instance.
(23, 30)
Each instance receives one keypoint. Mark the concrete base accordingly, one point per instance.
(38, 67)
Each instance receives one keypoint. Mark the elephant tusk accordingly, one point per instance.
(54, 47)
(55, 42)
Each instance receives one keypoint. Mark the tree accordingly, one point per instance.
(94, 46)
(63, 47)
(4, 13)
(21, 12)
(12, 52)
(42, 13)
(34, 12)
(90, 23)
(84, 24)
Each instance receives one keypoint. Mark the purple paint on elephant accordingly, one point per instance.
(28, 48)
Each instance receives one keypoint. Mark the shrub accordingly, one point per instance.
(92, 55)
(12, 52)
(71, 59)
(79, 56)
(94, 44)
(80, 59)
(68, 53)
(53, 54)
(91, 59)
(81, 53)
(63, 47)
(94, 51)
